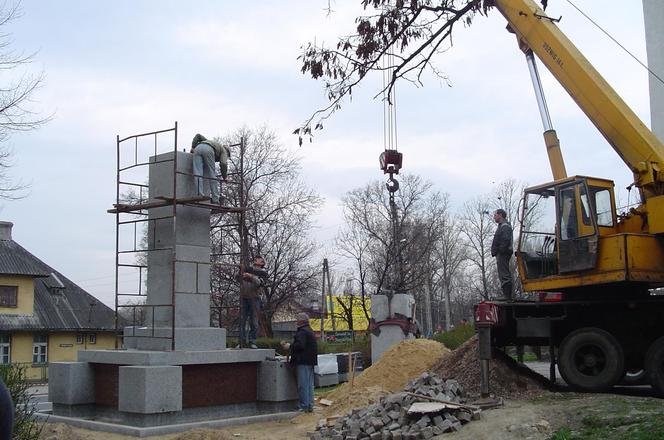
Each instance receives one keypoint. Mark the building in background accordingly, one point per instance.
(44, 317)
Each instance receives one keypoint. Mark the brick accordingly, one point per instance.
(427, 432)
(464, 417)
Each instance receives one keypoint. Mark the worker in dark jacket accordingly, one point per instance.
(252, 281)
(6, 413)
(502, 249)
(304, 355)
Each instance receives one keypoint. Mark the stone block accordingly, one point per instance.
(389, 336)
(402, 304)
(380, 309)
(186, 339)
(192, 310)
(71, 383)
(327, 364)
(150, 389)
(276, 382)
(325, 380)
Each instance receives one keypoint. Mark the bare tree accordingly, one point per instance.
(367, 238)
(15, 99)
(478, 228)
(411, 32)
(450, 255)
(280, 208)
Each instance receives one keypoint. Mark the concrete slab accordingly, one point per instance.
(164, 429)
(186, 339)
(144, 357)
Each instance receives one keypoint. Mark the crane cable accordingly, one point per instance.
(616, 41)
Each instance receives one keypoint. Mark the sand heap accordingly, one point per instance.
(507, 378)
(400, 364)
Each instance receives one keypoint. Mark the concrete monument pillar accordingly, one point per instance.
(653, 13)
(178, 275)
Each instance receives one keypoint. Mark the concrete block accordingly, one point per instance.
(402, 304)
(186, 339)
(389, 335)
(192, 310)
(276, 382)
(327, 364)
(379, 307)
(150, 389)
(200, 254)
(71, 383)
(325, 380)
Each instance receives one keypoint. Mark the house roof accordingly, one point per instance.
(15, 260)
(59, 303)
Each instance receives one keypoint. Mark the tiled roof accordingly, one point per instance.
(55, 308)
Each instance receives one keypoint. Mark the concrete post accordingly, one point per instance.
(653, 13)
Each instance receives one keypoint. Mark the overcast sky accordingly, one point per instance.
(123, 67)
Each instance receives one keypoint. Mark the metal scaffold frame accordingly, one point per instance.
(132, 206)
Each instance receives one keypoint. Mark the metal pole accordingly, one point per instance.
(117, 240)
(173, 262)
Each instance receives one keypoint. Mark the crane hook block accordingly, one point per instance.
(392, 184)
(390, 161)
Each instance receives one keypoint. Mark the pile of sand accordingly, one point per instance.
(400, 364)
(507, 378)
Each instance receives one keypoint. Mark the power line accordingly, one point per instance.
(616, 41)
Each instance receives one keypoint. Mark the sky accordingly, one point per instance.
(124, 67)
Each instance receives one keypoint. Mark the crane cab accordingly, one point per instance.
(570, 237)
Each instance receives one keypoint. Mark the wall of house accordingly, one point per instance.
(26, 295)
(62, 346)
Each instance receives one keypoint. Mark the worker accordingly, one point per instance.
(6, 413)
(502, 249)
(206, 152)
(304, 356)
(253, 279)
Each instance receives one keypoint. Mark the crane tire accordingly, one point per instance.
(591, 359)
(655, 365)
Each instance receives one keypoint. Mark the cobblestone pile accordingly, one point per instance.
(390, 419)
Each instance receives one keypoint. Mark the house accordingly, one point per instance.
(45, 317)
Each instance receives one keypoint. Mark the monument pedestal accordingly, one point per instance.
(177, 368)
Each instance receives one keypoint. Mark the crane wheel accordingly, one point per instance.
(655, 365)
(591, 359)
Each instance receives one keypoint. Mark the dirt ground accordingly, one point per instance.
(584, 416)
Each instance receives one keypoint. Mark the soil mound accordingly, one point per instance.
(202, 434)
(400, 364)
(58, 431)
(507, 378)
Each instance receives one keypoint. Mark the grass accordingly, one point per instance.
(454, 338)
(617, 418)
(323, 390)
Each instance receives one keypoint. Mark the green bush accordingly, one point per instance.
(26, 425)
(454, 338)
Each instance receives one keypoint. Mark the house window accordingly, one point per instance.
(8, 296)
(79, 338)
(5, 349)
(39, 349)
(92, 338)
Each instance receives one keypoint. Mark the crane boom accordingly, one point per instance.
(639, 148)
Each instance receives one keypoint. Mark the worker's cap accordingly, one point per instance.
(302, 317)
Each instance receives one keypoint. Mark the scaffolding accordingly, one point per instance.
(136, 232)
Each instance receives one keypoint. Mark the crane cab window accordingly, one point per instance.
(569, 228)
(603, 208)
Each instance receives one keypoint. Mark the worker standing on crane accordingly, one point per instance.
(206, 153)
(502, 249)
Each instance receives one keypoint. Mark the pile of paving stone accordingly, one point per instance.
(389, 419)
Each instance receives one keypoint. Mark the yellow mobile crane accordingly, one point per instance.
(596, 272)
